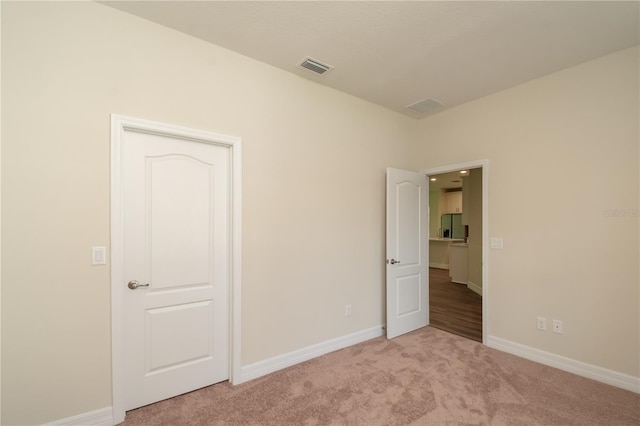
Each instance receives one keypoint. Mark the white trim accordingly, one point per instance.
(101, 417)
(474, 287)
(610, 377)
(439, 265)
(236, 262)
(484, 164)
(262, 368)
(119, 124)
(104, 416)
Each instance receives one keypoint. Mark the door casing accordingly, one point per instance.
(484, 165)
(120, 124)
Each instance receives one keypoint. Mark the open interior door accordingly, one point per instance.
(407, 252)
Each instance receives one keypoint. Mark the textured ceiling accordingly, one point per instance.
(446, 181)
(397, 53)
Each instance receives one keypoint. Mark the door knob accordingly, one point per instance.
(393, 261)
(133, 284)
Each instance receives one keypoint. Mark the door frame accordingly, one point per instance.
(484, 165)
(120, 124)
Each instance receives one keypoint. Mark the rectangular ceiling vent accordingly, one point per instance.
(425, 105)
(314, 65)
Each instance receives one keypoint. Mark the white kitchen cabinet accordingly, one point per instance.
(453, 202)
(458, 263)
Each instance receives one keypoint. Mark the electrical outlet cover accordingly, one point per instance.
(557, 326)
(542, 323)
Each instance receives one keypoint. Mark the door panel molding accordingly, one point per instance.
(119, 125)
(407, 252)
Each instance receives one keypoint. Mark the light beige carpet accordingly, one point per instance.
(427, 377)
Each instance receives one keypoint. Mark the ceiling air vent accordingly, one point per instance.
(314, 65)
(425, 105)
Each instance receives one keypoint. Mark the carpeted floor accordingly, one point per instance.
(427, 377)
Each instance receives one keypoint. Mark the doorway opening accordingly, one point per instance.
(457, 249)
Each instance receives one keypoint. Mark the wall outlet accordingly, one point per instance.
(542, 323)
(557, 326)
(347, 311)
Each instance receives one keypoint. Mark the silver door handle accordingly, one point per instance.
(393, 261)
(133, 284)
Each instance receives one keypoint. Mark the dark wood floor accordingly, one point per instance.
(453, 307)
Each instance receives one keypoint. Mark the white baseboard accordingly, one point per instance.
(438, 265)
(262, 368)
(104, 416)
(101, 417)
(474, 287)
(580, 368)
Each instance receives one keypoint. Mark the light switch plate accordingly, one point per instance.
(497, 243)
(98, 255)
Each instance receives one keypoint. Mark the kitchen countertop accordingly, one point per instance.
(447, 240)
(460, 245)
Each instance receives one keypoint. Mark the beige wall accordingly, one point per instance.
(434, 212)
(314, 171)
(563, 153)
